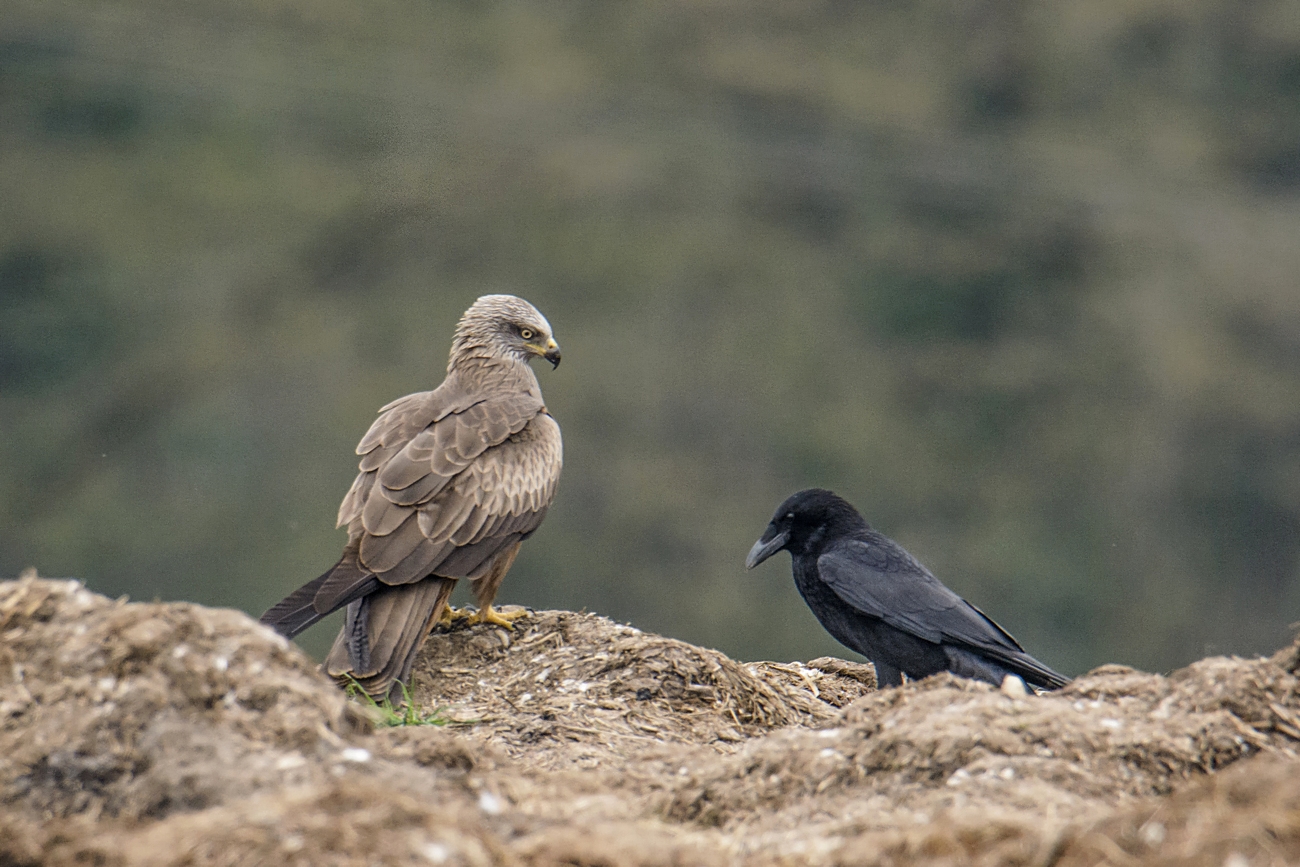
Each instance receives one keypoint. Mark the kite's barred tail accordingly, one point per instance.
(295, 612)
(384, 632)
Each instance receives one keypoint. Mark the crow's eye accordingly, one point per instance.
(526, 333)
(789, 516)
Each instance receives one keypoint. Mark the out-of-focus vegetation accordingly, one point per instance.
(1018, 280)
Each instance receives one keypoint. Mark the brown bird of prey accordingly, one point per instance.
(452, 481)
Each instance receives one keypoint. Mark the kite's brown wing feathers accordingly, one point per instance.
(504, 460)
(381, 554)
(412, 452)
(498, 498)
(405, 417)
(474, 560)
(439, 518)
(352, 504)
(448, 500)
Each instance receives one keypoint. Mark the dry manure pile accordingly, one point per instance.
(177, 734)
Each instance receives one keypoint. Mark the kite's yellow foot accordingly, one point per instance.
(488, 614)
(451, 615)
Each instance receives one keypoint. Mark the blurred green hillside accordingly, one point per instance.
(1019, 280)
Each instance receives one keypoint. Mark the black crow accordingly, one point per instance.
(875, 598)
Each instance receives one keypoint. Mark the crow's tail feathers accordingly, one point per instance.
(1034, 672)
(993, 664)
(1037, 674)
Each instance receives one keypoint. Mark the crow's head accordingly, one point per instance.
(803, 523)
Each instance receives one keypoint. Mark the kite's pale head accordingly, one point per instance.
(505, 326)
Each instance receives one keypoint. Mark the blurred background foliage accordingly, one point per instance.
(1018, 280)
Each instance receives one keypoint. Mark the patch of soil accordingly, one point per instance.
(564, 688)
(169, 734)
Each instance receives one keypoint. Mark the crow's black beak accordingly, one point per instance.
(766, 547)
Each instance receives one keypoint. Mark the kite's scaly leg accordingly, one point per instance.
(485, 590)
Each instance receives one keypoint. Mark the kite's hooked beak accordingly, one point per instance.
(552, 353)
(550, 350)
(766, 547)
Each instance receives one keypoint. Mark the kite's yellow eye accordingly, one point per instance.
(526, 333)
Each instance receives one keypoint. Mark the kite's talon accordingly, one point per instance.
(450, 615)
(488, 614)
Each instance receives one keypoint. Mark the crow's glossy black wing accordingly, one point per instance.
(880, 579)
